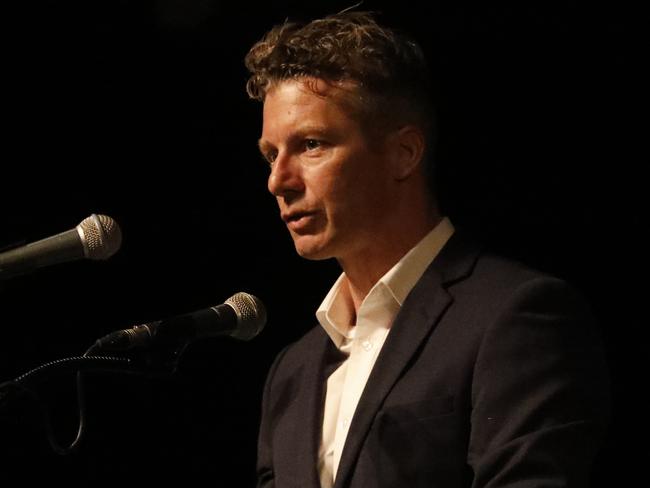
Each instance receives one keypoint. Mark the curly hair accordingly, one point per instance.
(387, 69)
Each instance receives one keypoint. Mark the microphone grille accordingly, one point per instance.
(251, 315)
(101, 236)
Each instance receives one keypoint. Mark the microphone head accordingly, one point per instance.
(251, 315)
(100, 235)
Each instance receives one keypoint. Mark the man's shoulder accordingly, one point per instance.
(464, 257)
(302, 350)
(313, 338)
(479, 271)
(492, 264)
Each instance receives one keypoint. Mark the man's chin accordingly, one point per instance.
(312, 255)
(310, 250)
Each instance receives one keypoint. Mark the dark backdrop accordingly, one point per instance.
(137, 110)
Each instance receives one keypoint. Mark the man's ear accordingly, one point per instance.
(408, 144)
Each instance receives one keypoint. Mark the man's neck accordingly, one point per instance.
(367, 268)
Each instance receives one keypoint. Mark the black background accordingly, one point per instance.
(137, 110)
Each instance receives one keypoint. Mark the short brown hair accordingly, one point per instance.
(388, 68)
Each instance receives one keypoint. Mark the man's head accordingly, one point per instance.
(385, 72)
(346, 124)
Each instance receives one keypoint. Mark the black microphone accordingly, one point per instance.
(96, 237)
(242, 317)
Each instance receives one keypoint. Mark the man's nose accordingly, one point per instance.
(286, 177)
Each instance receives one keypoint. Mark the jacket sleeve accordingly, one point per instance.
(540, 392)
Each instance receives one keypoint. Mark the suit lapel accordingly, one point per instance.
(416, 320)
(309, 405)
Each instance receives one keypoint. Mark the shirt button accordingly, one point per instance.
(367, 345)
(345, 422)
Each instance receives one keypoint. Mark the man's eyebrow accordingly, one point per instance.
(299, 133)
(310, 129)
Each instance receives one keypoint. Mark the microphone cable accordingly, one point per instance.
(248, 319)
(18, 386)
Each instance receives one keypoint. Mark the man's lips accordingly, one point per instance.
(298, 220)
(295, 215)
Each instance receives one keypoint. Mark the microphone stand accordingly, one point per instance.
(159, 364)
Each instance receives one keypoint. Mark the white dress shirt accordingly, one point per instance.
(362, 341)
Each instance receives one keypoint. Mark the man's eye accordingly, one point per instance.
(311, 144)
(270, 156)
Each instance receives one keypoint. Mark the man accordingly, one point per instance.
(435, 363)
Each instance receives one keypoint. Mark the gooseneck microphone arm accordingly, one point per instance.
(242, 317)
(23, 385)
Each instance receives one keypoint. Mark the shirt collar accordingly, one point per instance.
(336, 312)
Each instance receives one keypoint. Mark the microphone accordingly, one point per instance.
(242, 317)
(96, 237)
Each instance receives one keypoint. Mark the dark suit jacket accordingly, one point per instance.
(492, 376)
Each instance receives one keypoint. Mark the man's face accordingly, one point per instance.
(330, 179)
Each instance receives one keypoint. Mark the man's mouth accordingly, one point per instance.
(299, 220)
